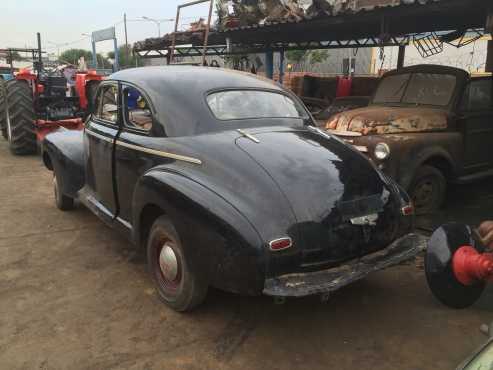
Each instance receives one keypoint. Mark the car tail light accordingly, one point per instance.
(280, 244)
(407, 210)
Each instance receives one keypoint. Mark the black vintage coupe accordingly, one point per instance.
(223, 179)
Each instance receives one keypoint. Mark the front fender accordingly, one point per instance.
(420, 157)
(63, 151)
(220, 243)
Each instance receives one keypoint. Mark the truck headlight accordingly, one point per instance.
(382, 151)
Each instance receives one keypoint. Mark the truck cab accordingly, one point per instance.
(426, 126)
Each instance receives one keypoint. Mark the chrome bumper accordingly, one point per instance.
(326, 281)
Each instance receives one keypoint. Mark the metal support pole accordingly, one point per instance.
(173, 40)
(281, 66)
(269, 64)
(207, 29)
(488, 67)
(116, 65)
(126, 39)
(401, 56)
(94, 56)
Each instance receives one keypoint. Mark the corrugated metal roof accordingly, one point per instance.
(335, 8)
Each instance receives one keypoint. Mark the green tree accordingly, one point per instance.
(296, 56)
(318, 56)
(126, 57)
(72, 56)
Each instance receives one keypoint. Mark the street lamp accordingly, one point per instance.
(157, 22)
(57, 47)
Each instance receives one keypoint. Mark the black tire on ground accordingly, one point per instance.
(62, 201)
(3, 108)
(20, 118)
(178, 286)
(428, 189)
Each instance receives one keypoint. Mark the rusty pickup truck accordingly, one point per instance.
(426, 126)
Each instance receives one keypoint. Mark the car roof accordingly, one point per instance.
(192, 77)
(178, 93)
(430, 68)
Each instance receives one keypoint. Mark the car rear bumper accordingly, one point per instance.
(326, 281)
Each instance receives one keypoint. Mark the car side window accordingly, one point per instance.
(479, 95)
(136, 109)
(107, 104)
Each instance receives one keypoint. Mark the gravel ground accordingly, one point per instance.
(73, 295)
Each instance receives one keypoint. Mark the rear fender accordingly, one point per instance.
(63, 152)
(219, 241)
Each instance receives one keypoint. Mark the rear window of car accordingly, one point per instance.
(251, 104)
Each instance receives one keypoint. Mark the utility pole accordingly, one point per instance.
(489, 53)
(126, 38)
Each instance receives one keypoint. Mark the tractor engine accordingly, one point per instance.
(52, 103)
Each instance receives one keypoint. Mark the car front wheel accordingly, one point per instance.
(63, 202)
(428, 189)
(177, 285)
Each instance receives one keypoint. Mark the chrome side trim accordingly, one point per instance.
(159, 153)
(101, 137)
(147, 150)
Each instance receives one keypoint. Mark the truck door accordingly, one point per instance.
(478, 124)
(99, 138)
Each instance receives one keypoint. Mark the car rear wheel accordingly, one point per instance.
(178, 286)
(63, 202)
(428, 189)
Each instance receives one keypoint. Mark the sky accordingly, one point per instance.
(63, 22)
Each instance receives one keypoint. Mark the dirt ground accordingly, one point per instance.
(73, 295)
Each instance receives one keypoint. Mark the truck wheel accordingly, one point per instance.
(3, 108)
(177, 285)
(20, 118)
(63, 202)
(428, 189)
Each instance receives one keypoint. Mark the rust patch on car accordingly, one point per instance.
(389, 120)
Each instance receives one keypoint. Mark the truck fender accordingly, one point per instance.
(422, 157)
(218, 239)
(63, 152)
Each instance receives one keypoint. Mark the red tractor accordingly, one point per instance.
(37, 102)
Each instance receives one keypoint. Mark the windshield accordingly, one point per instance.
(416, 88)
(251, 104)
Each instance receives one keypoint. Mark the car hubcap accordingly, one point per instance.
(168, 263)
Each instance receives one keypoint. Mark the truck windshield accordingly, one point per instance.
(416, 88)
(251, 104)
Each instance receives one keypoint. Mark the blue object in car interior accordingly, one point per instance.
(6, 76)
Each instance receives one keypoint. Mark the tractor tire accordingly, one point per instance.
(3, 109)
(20, 118)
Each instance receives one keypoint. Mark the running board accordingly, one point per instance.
(471, 178)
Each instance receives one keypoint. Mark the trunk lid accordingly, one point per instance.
(331, 188)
